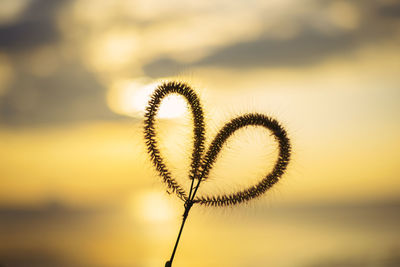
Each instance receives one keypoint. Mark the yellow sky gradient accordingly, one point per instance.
(77, 185)
(344, 134)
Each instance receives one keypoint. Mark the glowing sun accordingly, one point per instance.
(130, 97)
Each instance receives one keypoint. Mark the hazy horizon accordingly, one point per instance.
(78, 188)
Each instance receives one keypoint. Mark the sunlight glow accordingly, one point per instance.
(153, 207)
(131, 97)
(344, 15)
(112, 50)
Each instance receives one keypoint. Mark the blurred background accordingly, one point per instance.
(77, 187)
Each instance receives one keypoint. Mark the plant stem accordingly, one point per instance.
(188, 205)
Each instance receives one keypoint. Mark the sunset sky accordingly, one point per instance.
(75, 77)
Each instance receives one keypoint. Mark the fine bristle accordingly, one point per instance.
(253, 119)
(150, 136)
(202, 164)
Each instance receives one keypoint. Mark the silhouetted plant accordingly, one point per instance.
(202, 164)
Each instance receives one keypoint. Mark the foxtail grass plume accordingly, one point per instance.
(202, 161)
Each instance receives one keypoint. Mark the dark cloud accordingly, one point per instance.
(163, 67)
(14, 216)
(309, 47)
(390, 10)
(25, 251)
(35, 27)
(35, 258)
(31, 236)
(392, 259)
(20, 251)
(70, 94)
(27, 34)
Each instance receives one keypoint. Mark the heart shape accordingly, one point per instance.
(201, 165)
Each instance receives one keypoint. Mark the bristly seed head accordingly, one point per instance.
(149, 132)
(202, 164)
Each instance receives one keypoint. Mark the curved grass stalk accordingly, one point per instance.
(150, 136)
(202, 164)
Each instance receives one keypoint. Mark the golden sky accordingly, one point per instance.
(75, 77)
